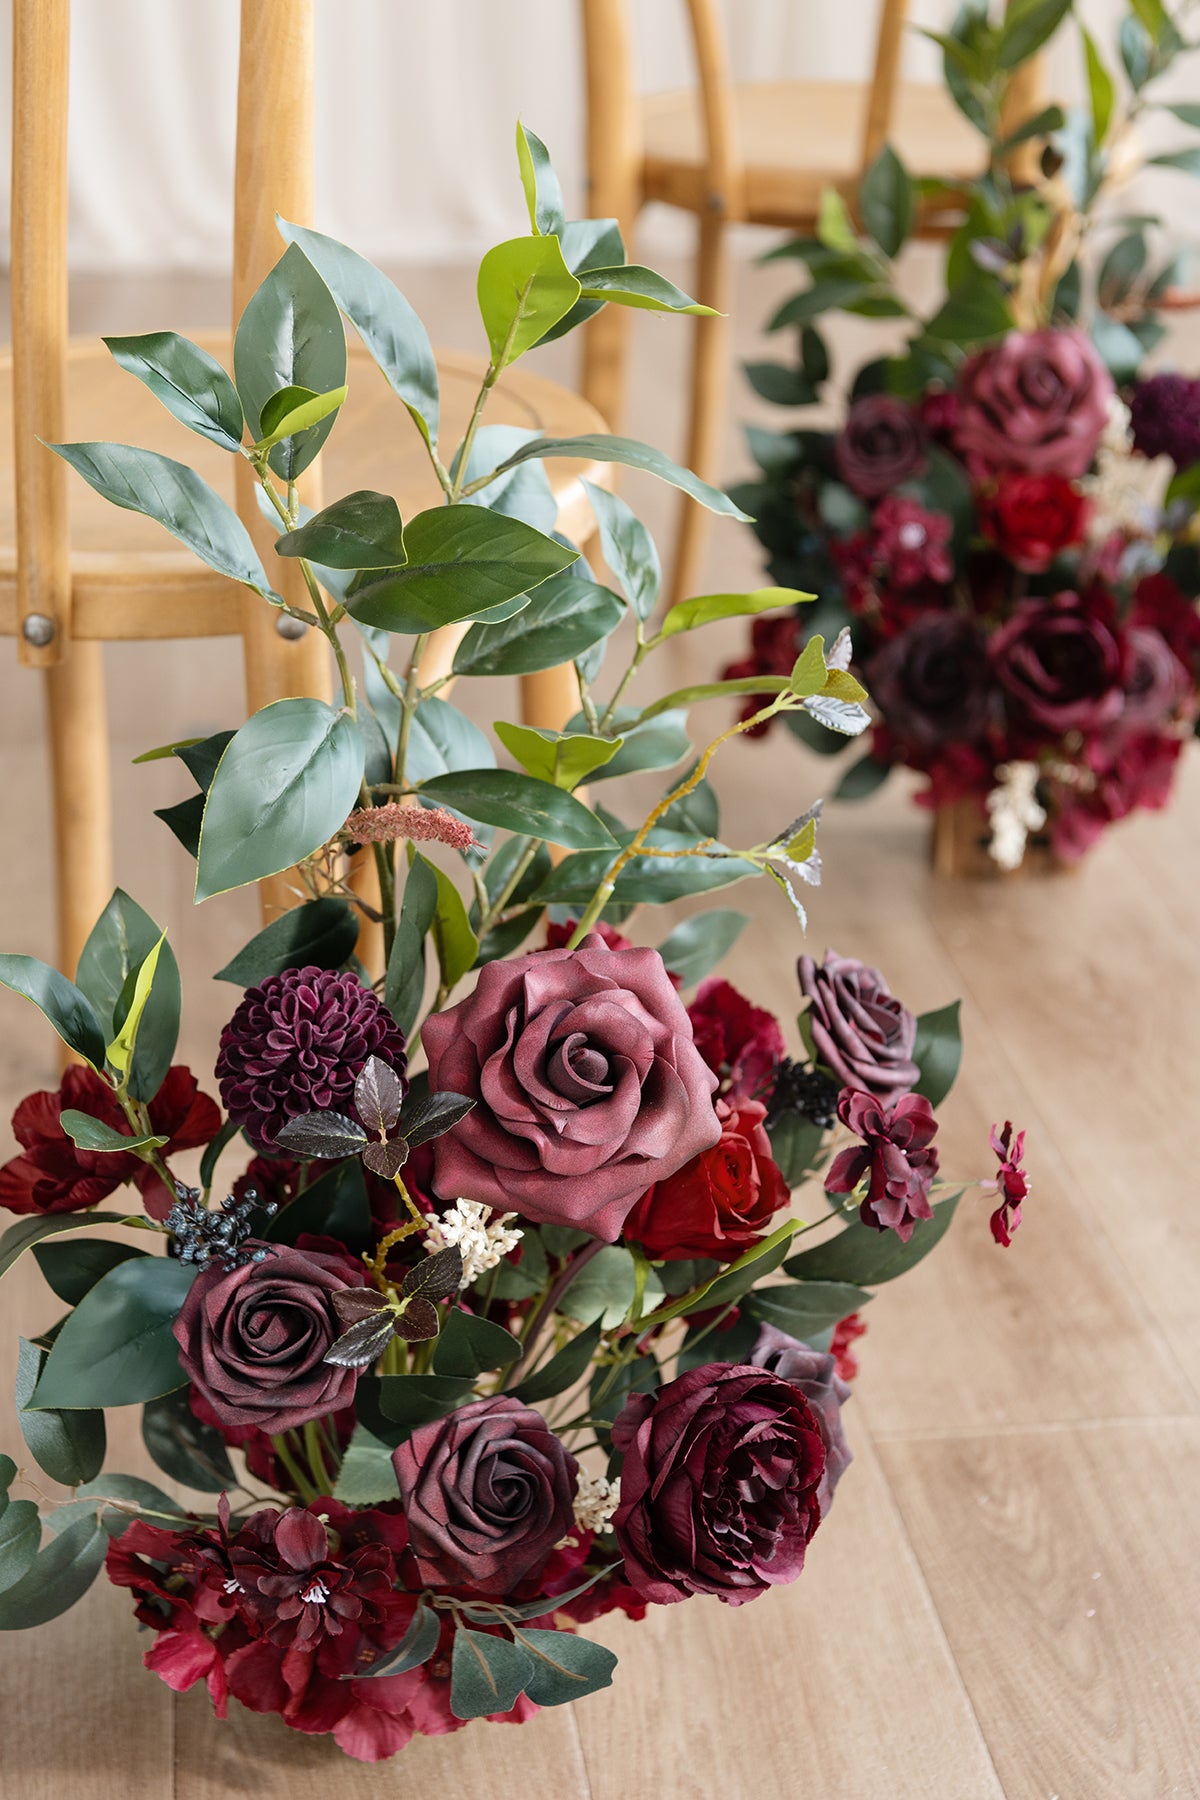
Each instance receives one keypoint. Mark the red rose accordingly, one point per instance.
(1030, 518)
(739, 1041)
(721, 1202)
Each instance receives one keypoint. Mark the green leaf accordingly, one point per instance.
(660, 743)
(779, 384)
(58, 1576)
(405, 983)
(795, 1145)
(565, 1666)
(418, 1643)
(729, 1285)
(1186, 111)
(362, 531)
(603, 1289)
(119, 942)
(519, 803)
(144, 482)
(183, 1447)
(455, 942)
(71, 1270)
(886, 201)
(938, 1051)
(418, 1399)
(810, 670)
(835, 227)
(20, 1535)
(27, 1232)
(632, 285)
(647, 880)
(468, 1344)
(587, 244)
(383, 318)
(706, 609)
(866, 1257)
(367, 1476)
(1186, 160)
(487, 1673)
(290, 335)
(294, 410)
(117, 1347)
(93, 1134)
(1028, 24)
(335, 1205)
(150, 1502)
(564, 618)
(1040, 124)
(803, 1308)
(768, 685)
(628, 549)
(563, 1370)
(518, 1280)
(862, 778)
(190, 383)
(543, 195)
(138, 987)
(597, 448)
(60, 1003)
(1119, 272)
(462, 561)
(443, 739)
(69, 1446)
(285, 784)
(561, 758)
(974, 313)
(320, 933)
(695, 948)
(1154, 16)
(524, 288)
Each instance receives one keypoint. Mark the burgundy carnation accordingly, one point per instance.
(910, 544)
(860, 1030)
(933, 682)
(253, 1339)
(815, 1373)
(1165, 418)
(719, 1484)
(721, 1202)
(1031, 518)
(296, 1044)
(586, 1082)
(882, 443)
(895, 1157)
(488, 1491)
(1060, 665)
(740, 1042)
(1037, 400)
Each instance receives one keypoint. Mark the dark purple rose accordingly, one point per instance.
(488, 1491)
(895, 1158)
(296, 1044)
(1156, 682)
(882, 443)
(1165, 416)
(1037, 400)
(719, 1484)
(253, 1339)
(859, 1029)
(814, 1372)
(587, 1085)
(932, 683)
(1060, 665)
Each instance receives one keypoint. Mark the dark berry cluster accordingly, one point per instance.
(202, 1236)
(803, 1092)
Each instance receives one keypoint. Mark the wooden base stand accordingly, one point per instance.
(959, 846)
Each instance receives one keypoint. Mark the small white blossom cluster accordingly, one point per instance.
(1014, 812)
(1126, 491)
(596, 1500)
(483, 1237)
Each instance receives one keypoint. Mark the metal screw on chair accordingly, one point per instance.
(292, 629)
(38, 629)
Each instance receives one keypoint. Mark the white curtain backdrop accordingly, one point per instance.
(416, 104)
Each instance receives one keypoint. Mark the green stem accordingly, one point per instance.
(409, 699)
(457, 490)
(545, 1310)
(315, 1455)
(639, 656)
(303, 1487)
(490, 914)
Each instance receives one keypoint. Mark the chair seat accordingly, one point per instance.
(796, 139)
(131, 580)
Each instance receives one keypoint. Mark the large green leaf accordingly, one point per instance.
(628, 549)
(117, 1347)
(20, 1535)
(634, 455)
(524, 288)
(443, 739)
(60, 1003)
(142, 481)
(886, 201)
(867, 1257)
(131, 1009)
(321, 932)
(290, 335)
(647, 880)
(938, 1051)
(560, 757)
(73, 1268)
(562, 1370)
(487, 1673)
(383, 318)
(362, 531)
(802, 1308)
(462, 560)
(1028, 24)
(633, 285)
(543, 194)
(334, 1205)
(564, 618)
(455, 942)
(69, 1446)
(565, 1666)
(701, 942)
(190, 383)
(518, 802)
(603, 1290)
(705, 609)
(118, 944)
(658, 744)
(418, 1399)
(58, 1576)
(973, 313)
(94, 1134)
(286, 783)
(468, 1344)
(404, 986)
(183, 1447)
(26, 1232)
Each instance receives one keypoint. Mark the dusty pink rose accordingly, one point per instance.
(587, 1085)
(1037, 400)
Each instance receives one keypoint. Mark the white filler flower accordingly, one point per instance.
(483, 1236)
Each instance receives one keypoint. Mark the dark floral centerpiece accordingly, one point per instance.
(1005, 508)
(485, 1312)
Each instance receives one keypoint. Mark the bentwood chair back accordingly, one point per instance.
(76, 572)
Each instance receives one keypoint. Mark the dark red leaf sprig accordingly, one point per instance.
(373, 1318)
(386, 1129)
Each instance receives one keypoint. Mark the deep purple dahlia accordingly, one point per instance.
(296, 1044)
(1165, 417)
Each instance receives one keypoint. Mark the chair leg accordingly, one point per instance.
(710, 372)
(81, 795)
(550, 698)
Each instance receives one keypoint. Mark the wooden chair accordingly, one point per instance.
(76, 572)
(761, 153)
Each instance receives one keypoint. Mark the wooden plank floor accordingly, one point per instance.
(1005, 1599)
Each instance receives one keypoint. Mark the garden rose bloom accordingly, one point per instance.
(718, 1486)
(859, 1028)
(1031, 518)
(1037, 400)
(252, 1339)
(586, 1082)
(488, 1491)
(1060, 665)
(815, 1373)
(882, 443)
(740, 1042)
(932, 683)
(895, 1156)
(722, 1201)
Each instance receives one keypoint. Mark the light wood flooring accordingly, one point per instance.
(1005, 1600)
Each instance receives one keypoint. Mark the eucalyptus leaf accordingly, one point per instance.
(69, 1446)
(469, 1344)
(190, 383)
(290, 335)
(565, 1666)
(117, 1347)
(59, 1575)
(20, 1535)
(462, 560)
(487, 1673)
(60, 1003)
(367, 1477)
(517, 802)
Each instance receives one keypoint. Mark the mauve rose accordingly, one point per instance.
(859, 1029)
(882, 443)
(1156, 682)
(932, 683)
(1060, 665)
(1037, 400)
(253, 1339)
(815, 1373)
(488, 1491)
(586, 1082)
(721, 1202)
(718, 1485)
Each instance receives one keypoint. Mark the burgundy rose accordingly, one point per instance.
(1060, 665)
(1165, 418)
(933, 683)
(815, 1373)
(586, 1082)
(882, 443)
(253, 1339)
(1156, 682)
(718, 1486)
(488, 1491)
(1032, 518)
(859, 1029)
(740, 1042)
(895, 1158)
(722, 1201)
(1037, 400)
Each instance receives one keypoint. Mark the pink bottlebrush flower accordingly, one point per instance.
(1011, 1183)
(423, 824)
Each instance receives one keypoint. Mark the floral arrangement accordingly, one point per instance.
(484, 1315)
(1006, 507)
